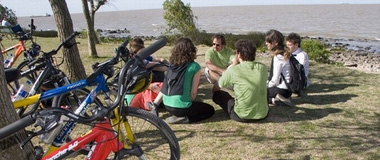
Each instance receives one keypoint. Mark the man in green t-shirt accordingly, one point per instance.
(248, 79)
(218, 58)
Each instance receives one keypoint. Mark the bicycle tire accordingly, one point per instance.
(152, 134)
(71, 99)
(15, 85)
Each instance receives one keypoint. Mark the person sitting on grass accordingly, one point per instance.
(278, 92)
(180, 87)
(217, 59)
(293, 42)
(140, 100)
(248, 79)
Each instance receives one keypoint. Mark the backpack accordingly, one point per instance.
(297, 76)
(173, 81)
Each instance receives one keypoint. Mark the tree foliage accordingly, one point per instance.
(179, 17)
(9, 14)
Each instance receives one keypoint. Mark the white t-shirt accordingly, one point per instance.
(280, 65)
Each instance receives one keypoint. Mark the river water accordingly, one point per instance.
(348, 23)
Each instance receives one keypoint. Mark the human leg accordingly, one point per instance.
(199, 111)
(211, 76)
(277, 94)
(223, 98)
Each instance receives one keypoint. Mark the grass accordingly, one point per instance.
(337, 117)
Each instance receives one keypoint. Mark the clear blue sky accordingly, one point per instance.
(40, 7)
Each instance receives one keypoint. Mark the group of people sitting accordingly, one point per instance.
(253, 86)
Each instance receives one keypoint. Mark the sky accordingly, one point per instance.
(40, 7)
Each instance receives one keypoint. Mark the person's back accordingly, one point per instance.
(180, 87)
(249, 82)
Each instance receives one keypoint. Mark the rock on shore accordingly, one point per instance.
(363, 61)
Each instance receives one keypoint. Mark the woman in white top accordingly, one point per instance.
(280, 69)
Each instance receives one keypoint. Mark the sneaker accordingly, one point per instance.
(153, 107)
(281, 98)
(177, 120)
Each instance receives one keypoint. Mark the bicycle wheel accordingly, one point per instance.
(73, 100)
(152, 134)
(23, 66)
(15, 85)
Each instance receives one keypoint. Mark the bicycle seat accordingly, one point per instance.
(11, 74)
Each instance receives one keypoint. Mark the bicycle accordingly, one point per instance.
(135, 139)
(20, 46)
(49, 77)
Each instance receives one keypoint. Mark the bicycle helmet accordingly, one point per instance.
(139, 80)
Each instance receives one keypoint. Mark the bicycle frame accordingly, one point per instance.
(98, 79)
(67, 128)
(19, 47)
(102, 135)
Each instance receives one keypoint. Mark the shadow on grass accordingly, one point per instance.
(280, 114)
(323, 88)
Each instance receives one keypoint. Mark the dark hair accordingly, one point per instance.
(274, 36)
(294, 38)
(135, 45)
(219, 36)
(183, 52)
(246, 48)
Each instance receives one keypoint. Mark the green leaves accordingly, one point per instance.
(179, 18)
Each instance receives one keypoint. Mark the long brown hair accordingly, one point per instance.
(274, 36)
(183, 52)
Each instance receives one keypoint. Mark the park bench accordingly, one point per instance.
(6, 31)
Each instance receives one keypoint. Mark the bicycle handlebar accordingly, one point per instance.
(30, 119)
(54, 51)
(151, 49)
(16, 126)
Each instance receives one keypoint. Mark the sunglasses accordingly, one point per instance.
(215, 44)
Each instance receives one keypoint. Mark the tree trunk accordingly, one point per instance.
(10, 146)
(65, 28)
(91, 36)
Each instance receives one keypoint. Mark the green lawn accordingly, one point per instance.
(338, 117)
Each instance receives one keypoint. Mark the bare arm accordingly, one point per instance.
(158, 99)
(211, 66)
(195, 85)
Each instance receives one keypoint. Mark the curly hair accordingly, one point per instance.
(274, 36)
(246, 48)
(183, 52)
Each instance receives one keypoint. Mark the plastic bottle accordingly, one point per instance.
(8, 60)
(23, 91)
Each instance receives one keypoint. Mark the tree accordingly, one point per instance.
(89, 14)
(9, 14)
(65, 28)
(180, 17)
(9, 147)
